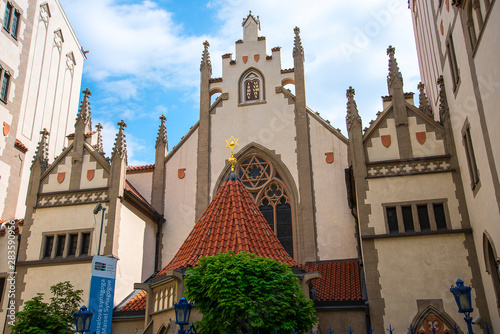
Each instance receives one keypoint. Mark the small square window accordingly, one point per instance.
(439, 216)
(61, 242)
(423, 217)
(85, 244)
(73, 243)
(49, 243)
(407, 218)
(392, 219)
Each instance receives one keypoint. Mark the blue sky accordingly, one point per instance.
(144, 57)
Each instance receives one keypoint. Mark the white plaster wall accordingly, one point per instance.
(377, 151)
(425, 267)
(180, 196)
(334, 222)
(4, 183)
(410, 188)
(134, 243)
(78, 274)
(53, 185)
(64, 218)
(100, 175)
(431, 146)
(143, 182)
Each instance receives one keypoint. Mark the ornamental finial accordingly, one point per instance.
(232, 143)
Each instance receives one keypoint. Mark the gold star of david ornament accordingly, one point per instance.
(232, 143)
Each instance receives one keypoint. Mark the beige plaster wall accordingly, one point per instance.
(340, 321)
(133, 326)
(425, 267)
(335, 224)
(431, 146)
(78, 274)
(100, 174)
(50, 183)
(63, 218)
(136, 250)
(377, 151)
(143, 182)
(180, 197)
(411, 188)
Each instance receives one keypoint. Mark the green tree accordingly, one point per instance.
(243, 292)
(55, 317)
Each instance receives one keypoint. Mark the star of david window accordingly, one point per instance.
(266, 185)
(251, 88)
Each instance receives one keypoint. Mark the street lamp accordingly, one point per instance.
(182, 313)
(83, 319)
(463, 299)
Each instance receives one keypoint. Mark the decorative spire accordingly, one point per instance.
(443, 102)
(98, 147)
(423, 101)
(232, 143)
(162, 132)
(84, 111)
(253, 17)
(352, 110)
(394, 74)
(297, 43)
(205, 58)
(120, 147)
(42, 151)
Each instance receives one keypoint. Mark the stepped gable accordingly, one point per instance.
(232, 222)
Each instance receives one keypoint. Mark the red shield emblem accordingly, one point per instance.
(329, 157)
(256, 58)
(245, 59)
(60, 177)
(421, 137)
(90, 174)
(386, 140)
(6, 129)
(181, 173)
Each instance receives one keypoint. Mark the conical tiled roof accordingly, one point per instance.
(232, 222)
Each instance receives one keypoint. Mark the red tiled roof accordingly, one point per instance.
(137, 303)
(340, 280)
(20, 146)
(140, 168)
(136, 193)
(88, 134)
(232, 222)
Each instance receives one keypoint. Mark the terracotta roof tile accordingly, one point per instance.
(4, 223)
(20, 146)
(232, 222)
(340, 280)
(140, 168)
(137, 303)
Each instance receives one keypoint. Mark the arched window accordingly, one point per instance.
(270, 192)
(252, 87)
(492, 265)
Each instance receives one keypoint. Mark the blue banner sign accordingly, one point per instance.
(102, 291)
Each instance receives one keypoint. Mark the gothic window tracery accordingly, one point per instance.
(270, 192)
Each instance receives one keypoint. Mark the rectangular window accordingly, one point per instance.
(6, 18)
(49, 243)
(73, 242)
(471, 158)
(85, 244)
(453, 62)
(61, 241)
(423, 217)
(439, 216)
(2, 290)
(4, 90)
(15, 24)
(392, 219)
(407, 218)
(416, 217)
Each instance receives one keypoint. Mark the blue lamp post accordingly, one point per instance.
(83, 319)
(182, 313)
(463, 299)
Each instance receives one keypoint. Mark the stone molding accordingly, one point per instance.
(437, 164)
(72, 198)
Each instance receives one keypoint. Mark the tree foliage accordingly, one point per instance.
(243, 292)
(55, 317)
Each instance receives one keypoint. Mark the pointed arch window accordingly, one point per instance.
(252, 87)
(271, 194)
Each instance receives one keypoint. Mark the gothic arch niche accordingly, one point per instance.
(273, 189)
(432, 316)
(492, 264)
(252, 87)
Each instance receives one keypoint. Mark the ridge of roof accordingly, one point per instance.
(140, 168)
(231, 222)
